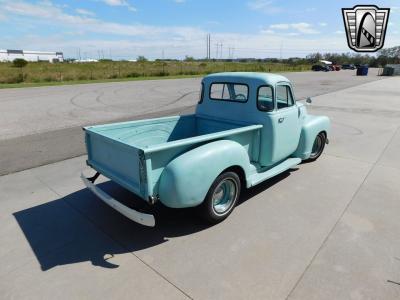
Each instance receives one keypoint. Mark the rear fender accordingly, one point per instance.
(311, 127)
(186, 180)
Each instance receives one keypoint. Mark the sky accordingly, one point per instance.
(125, 29)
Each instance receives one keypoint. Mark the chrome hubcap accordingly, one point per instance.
(224, 195)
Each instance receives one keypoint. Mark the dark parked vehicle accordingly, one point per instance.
(320, 68)
(362, 70)
(348, 67)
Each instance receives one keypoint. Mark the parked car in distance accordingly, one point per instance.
(247, 128)
(348, 67)
(333, 67)
(320, 68)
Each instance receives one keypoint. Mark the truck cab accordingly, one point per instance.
(265, 99)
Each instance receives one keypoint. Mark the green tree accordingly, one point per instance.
(189, 58)
(19, 63)
(141, 58)
(314, 57)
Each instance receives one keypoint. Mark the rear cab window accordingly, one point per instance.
(226, 91)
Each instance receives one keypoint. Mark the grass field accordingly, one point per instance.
(43, 73)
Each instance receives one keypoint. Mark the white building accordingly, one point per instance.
(10, 55)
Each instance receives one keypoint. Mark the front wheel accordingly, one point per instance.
(221, 198)
(318, 146)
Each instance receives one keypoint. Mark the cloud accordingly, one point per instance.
(304, 28)
(85, 12)
(127, 41)
(246, 45)
(301, 27)
(120, 3)
(322, 24)
(280, 26)
(339, 32)
(2, 17)
(212, 22)
(47, 12)
(395, 9)
(268, 31)
(264, 6)
(179, 1)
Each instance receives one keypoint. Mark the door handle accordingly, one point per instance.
(280, 120)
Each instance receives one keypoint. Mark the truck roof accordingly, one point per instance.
(269, 78)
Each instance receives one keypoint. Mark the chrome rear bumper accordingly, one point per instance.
(134, 215)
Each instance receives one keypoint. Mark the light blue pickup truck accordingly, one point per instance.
(247, 128)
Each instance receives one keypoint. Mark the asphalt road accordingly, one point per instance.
(325, 230)
(43, 125)
(30, 111)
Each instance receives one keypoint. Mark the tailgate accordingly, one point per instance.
(120, 162)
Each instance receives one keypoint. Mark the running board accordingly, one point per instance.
(282, 167)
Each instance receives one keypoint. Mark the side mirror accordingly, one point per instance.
(308, 100)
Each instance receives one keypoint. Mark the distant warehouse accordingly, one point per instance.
(10, 55)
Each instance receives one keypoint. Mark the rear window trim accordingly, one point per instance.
(273, 97)
(201, 94)
(226, 100)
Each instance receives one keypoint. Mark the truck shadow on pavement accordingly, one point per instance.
(79, 227)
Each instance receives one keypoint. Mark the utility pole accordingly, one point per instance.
(230, 50)
(217, 49)
(209, 46)
(162, 54)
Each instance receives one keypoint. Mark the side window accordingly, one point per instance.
(284, 96)
(234, 92)
(265, 98)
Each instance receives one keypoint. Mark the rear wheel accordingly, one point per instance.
(221, 198)
(318, 146)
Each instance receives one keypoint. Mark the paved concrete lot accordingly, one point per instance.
(325, 230)
(43, 125)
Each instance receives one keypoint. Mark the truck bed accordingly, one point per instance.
(135, 153)
(146, 133)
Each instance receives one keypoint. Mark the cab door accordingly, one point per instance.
(286, 123)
